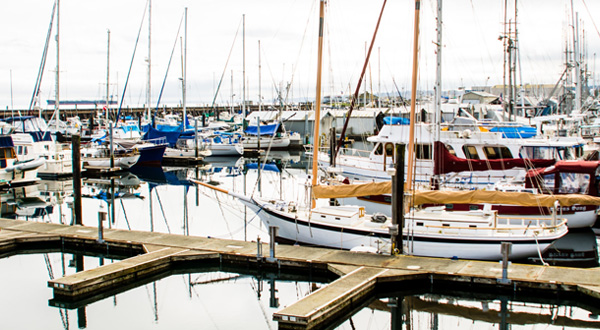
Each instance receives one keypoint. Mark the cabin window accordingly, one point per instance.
(450, 150)
(530, 152)
(565, 153)
(7, 153)
(423, 151)
(379, 149)
(500, 152)
(389, 150)
(420, 224)
(19, 150)
(470, 152)
(549, 180)
(574, 183)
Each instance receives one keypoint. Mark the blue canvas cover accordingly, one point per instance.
(521, 132)
(396, 121)
(270, 129)
(153, 133)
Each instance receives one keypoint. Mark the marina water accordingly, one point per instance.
(164, 200)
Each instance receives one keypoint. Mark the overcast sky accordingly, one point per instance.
(287, 30)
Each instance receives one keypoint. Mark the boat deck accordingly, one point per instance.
(360, 274)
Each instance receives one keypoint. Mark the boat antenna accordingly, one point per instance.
(362, 74)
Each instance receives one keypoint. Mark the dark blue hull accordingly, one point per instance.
(151, 156)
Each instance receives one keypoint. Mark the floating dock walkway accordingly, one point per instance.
(359, 275)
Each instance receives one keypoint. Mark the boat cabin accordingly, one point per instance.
(566, 177)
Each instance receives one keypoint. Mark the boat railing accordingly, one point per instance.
(509, 226)
(355, 152)
(158, 140)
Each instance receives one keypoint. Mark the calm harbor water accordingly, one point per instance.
(164, 200)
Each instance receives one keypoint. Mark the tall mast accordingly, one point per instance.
(107, 74)
(318, 99)
(437, 113)
(57, 97)
(504, 54)
(413, 99)
(259, 80)
(244, 65)
(184, 73)
(438, 74)
(575, 27)
(149, 86)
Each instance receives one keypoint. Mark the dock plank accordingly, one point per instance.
(331, 299)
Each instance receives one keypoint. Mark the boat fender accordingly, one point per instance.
(378, 218)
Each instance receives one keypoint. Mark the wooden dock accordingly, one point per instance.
(359, 275)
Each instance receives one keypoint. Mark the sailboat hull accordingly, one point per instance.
(294, 227)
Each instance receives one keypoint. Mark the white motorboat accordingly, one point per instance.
(480, 148)
(99, 156)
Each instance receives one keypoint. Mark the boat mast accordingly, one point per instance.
(575, 29)
(183, 82)
(107, 74)
(438, 93)
(259, 80)
(148, 88)
(244, 66)
(57, 97)
(413, 99)
(438, 74)
(318, 100)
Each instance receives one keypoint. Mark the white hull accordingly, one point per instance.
(225, 149)
(575, 218)
(293, 226)
(266, 142)
(122, 162)
(178, 152)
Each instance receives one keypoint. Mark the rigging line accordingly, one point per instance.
(226, 63)
(125, 213)
(295, 67)
(357, 91)
(591, 17)
(36, 89)
(131, 64)
(223, 215)
(163, 212)
(169, 64)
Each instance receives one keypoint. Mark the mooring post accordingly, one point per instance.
(272, 233)
(101, 218)
(76, 165)
(196, 138)
(112, 154)
(259, 255)
(332, 139)
(506, 249)
(258, 132)
(397, 226)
